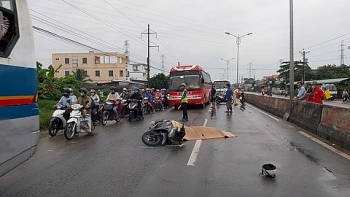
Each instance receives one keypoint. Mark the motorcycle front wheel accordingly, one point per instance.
(69, 131)
(104, 118)
(152, 138)
(53, 128)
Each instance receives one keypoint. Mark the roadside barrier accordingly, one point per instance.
(335, 125)
(329, 122)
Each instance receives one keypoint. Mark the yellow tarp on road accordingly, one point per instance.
(203, 133)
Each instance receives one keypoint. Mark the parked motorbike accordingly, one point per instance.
(134, 112)
(147, 106)
(58, 121)
(107, 112)
(220, 98)
(162, 132)
(79, 122)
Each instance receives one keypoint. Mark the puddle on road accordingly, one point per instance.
(302, 151)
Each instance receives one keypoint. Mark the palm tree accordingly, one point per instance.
(81, 76)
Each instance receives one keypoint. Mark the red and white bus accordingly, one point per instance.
(198, 85)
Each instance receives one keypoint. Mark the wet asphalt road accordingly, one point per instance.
(115, 162)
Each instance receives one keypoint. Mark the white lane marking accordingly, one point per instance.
(290, 126)
(263, 112)
(205, 123)
(194, 154)
(346, 156)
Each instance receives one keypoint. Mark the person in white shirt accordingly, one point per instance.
(113, 96)
(95, 105)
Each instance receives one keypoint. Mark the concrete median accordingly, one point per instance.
(306, 115)
(335, 125)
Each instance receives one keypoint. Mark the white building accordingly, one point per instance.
(137, 71)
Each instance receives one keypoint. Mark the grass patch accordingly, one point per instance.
(45, 113)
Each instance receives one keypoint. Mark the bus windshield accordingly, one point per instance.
(191, 81)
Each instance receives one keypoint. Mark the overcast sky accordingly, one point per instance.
(193, 31)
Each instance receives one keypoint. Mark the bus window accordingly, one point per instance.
(9, 32)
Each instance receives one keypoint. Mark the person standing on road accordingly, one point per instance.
(184, 102)
(318, 93)
(236, 96)
(228, 97)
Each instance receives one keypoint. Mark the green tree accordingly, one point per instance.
(331, 72)
(248, 80)
(81, 77)
(159, 81)
(298, 71)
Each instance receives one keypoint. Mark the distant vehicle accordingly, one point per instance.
(19, 112)
(198, 85)
(220, 86)
(331, 87)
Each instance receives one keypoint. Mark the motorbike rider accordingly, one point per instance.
(85, 101)
(74, 98)
(123, 95)
(159, 95)
(137, 95)
(165, 96)
(95, 105)
(65, 102)
(114, 96)
(66, 99)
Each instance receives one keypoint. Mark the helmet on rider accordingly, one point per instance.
(157, 90)
(93, 92)
(112, 88)
(124, 89)
(66, 92)
(136, 89)
(83, 91)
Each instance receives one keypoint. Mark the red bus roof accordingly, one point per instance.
(186, 67)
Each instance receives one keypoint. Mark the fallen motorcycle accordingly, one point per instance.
(162, 132)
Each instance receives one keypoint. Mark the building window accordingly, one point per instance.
(66, 60)
(135, 68)
(84, 60)
(110, 73)
(57, 58)
(66, 73)
(121, 73)
(120, 60)
(97, 73)
(75, 61)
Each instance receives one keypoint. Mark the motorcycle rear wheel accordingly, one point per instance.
(152, 138)
(53, 128)
(69, 132)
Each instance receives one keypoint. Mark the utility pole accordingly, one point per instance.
(304, 62)
(250, 69)
(342, 55)
(227, 69)
(126, 47)
(163, 67)
(148, 52)
(291, 52)
(254, 69)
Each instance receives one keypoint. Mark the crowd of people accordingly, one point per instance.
(92, 102)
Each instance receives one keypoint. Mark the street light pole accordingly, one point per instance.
(227, 63)
(238, 42)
